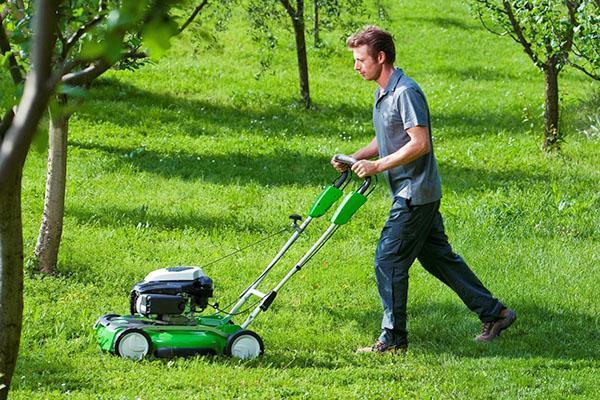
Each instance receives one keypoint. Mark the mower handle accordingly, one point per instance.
(344, 159)
(350, 161)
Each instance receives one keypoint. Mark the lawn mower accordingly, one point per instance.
(165, 307)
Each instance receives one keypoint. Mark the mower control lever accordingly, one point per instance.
(296, 218)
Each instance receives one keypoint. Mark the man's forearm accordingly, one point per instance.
(405, 155)
(417, 147)
(369, 151)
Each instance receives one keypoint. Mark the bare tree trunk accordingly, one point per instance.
(316, 17)
(551, 113)
(14, 146)
(298, 22)
(46, 250)
(11, 278)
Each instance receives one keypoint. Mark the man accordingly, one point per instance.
(414, 228)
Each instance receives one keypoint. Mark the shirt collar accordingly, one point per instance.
(392, 82)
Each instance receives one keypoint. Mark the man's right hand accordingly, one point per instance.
(338, 165)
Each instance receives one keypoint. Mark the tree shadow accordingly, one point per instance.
(118, 217)
(278, 168)
(33, 370)
(488, 73)
(287, 168)
(144, 110)
(447, 23)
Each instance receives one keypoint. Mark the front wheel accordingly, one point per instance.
(246, 345)
(134, 344)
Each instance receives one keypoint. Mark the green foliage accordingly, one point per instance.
(269, 20)
(566, 31)
(90, 30)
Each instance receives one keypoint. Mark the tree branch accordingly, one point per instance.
(16, 141)
(566, 47)
(487, 28)
(584, 70)
(87, 74)
(519, 32)
(192, 16)
(15, 71)
(288, 7)
(492, 7)
(84, 28)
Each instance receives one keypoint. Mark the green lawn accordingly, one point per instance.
(188, 159)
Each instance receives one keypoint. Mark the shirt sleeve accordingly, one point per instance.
(413, 108)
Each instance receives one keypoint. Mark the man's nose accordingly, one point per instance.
(356, 66)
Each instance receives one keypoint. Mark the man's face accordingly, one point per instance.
(367, 66)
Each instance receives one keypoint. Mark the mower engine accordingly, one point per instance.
(169, 291)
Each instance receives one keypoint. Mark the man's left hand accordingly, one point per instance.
(364, 168)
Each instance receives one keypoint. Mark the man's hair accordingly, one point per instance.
(376, 40)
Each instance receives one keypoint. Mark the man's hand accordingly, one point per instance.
(338, 165)
(364, 168)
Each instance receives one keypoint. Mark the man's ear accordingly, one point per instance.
(381, 57)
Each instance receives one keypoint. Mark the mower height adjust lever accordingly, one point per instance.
(296, 218)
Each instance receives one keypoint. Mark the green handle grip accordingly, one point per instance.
(352, 202)
(330, 195)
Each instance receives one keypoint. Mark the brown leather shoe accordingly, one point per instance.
(380, 348)
(491, 330)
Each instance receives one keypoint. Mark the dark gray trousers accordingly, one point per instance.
(418, 232)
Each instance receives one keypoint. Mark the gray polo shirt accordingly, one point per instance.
(402, 105)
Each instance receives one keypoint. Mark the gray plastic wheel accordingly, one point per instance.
(133, 344)
(245, 345)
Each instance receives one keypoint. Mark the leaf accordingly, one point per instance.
(91, 49)
(4, 60)
(157, 35)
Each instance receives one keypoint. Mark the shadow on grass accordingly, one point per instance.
(289, 168)
(278, 168)
(438, 328)
(447, 23)
(120, 217)
(126, 105)
(35, 370)
(461, 73)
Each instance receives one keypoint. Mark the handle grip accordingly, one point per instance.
(344, 159)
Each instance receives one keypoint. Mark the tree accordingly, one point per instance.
(17, 130)
(297, 17)
(554, 34)
(81, 41)
(42, 45)
(341, 13)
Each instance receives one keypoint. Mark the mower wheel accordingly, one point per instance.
(134, 344)
(245, 345)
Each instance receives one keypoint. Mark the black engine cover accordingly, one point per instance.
(198, 290)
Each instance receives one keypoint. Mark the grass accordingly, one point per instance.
(186, 160)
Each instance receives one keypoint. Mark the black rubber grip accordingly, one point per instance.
(268, 300)
(344, 159)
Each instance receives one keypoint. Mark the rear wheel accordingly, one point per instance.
(134, 344)
(245, 345)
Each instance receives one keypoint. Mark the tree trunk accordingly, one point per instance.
(298, 22)
(316, 16)
(551, 133)
(46, 250)
(11, 278)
